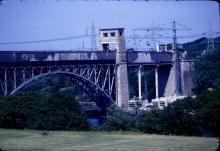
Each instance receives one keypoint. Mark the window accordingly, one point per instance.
(113, 34)
(105, 47)
(105, 34)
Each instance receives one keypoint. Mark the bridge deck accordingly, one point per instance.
(82, 57)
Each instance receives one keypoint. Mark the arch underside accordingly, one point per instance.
(95, 80)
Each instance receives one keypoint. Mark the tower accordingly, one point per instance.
(113, 40)
(210, 41)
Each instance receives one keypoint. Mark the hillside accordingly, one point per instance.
(195, 48)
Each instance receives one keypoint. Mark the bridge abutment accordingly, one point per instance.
(186, 77)
(122, 94)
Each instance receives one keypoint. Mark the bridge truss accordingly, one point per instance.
(94, 79)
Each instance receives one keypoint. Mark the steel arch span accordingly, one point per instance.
(94, 79)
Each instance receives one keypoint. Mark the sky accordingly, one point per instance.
(36, 20)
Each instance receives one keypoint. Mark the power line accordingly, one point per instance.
(41, 41)
(168, 37)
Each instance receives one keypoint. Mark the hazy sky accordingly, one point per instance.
(32, 20)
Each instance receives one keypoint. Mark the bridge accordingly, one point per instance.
(103, 73)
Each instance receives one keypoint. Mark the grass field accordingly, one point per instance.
(28, 140)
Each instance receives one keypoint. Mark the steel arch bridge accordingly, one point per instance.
(97, 73)
(94, 79)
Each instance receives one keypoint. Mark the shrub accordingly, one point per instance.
(58, 111)
(118, 120)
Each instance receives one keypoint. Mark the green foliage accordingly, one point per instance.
(15, 109)
(188, 116)
(209, 110)
(195, 48)
(206, 72)
(58, 111)
(179, 118)
(118, 120)
(184, 117)
(53, 83)
(148, 121)
(176, 119)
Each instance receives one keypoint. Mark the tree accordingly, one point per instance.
(206, 72)
(58, 111)
(118, 120)
(148, 121)
(16, 109)
(179, 118)
(176, 119)
(209, 111)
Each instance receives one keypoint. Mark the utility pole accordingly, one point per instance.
(177, 61)
(134, 40)
(93, 36)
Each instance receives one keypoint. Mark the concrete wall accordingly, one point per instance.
(139, 57)
(165, 81)
(170, 85)
(186, 77)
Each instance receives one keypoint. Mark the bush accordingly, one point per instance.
(179, 118)
(184, 117)
(58, 111)
(206, 73)
(118, 120)
(209, 111)
(148, 121)
(16, 109)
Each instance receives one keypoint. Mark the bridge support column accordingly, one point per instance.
(145, 87)
(186, 77)
(139, 83)
(122, 94)
(156, 82)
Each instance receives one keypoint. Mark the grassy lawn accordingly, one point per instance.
(29, 140)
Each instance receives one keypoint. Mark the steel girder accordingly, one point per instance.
(94, 78)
